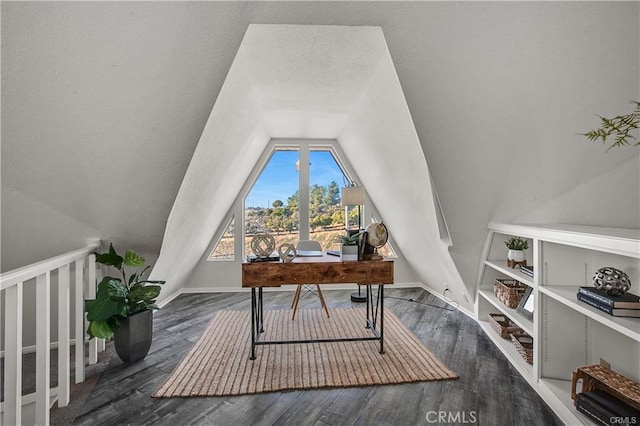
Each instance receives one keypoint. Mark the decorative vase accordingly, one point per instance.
(133, 339)
(349, 253)
(612, 280)
(516, 258)
(516, 255)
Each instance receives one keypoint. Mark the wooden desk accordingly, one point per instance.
(318, 270)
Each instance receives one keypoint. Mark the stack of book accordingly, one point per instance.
(625, 305)
(606, 409)
(527, 270)
(271, 258)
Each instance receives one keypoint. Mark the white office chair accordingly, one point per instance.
(309, 245)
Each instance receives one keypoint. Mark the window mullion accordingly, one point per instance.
(303, 212)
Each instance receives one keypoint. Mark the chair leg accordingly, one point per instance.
(296, 295)
(296, 299)
(324, 304)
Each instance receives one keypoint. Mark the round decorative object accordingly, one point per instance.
(377, 234)
(287, 252)
(612, 280)
(263, 245)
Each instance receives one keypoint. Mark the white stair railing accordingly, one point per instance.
(12, 287)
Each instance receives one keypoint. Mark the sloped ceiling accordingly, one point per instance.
(334, 82)
(103, 104)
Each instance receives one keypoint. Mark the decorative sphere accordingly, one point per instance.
(377, 234)
(263, 245)
(287, 252)
(612, 280)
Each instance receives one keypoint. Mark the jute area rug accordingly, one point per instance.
(219, 362)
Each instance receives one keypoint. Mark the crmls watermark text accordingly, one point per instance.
(456, 417)
(623, 420)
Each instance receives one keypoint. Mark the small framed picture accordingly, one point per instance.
(525, 307)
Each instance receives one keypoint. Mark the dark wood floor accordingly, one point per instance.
(489, 390)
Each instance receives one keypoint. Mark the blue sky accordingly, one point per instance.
(279, 179)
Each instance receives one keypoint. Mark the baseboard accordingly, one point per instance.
(189, 290)
(453, 303)
(32, 348)
(292, 287)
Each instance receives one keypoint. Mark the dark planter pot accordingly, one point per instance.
(133, 339)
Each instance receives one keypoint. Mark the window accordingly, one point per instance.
(297, 196)
(326, 214)
(272, 204)
(224, 249)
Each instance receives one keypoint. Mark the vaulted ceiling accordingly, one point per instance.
(103, 104)
(332, 82)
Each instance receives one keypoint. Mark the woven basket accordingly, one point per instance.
(524, 344)
(509, 291)
(600, 377)
(503, 325)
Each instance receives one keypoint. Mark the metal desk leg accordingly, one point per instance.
(253, 324)
(260, 307)
(366, 324)
(381, 297)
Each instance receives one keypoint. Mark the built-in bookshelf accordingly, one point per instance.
(566, 333)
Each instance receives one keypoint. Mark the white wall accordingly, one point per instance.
(225, 275)
(93, 90)
(34, 230)
(504, 88)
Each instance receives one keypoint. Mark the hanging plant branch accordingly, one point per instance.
(620, 127)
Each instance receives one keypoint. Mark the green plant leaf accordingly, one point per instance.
(349, 240)
(619, 127)
(103, 307)
(131, 258)
(144, 293)
(100, 329)
(517, 243)
(152, 281)
(113, 288)
(110, 259)
(133, 279)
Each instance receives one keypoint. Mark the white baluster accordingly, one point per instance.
(79, 320)
(43, 347)
(93, 343)
(63, 336)
(99, 277)
(12, 405)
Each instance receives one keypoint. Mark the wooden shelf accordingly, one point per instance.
(566, 295)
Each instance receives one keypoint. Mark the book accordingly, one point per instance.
(527, 270)
(625, 301)
(253, 258)
(608, 309)
(606, 408)
(587, 411)
(309, 253)
(596, 415)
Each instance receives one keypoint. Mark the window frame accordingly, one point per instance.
(229, 217)
(304, 146)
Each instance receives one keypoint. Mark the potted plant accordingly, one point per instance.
(349, 248)
(620, 127)
(123, 307)
(516, 255)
